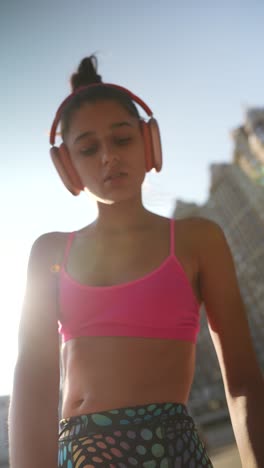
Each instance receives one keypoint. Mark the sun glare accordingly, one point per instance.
(14, 257)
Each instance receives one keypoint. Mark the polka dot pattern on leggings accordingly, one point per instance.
(152, 436)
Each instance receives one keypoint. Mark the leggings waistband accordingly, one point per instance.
(126, 417)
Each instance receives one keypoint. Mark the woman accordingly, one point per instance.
(126, 291)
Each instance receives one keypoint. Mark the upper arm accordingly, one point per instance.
(226, 313)
(38, 342)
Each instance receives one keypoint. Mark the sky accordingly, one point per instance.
(198, 67)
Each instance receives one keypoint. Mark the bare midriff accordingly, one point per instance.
(107, 372)
(102, 373)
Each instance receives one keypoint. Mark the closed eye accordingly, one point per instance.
(123, 141)
(92, 149)
(89, 151)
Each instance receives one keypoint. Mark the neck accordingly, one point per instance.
(122, 217)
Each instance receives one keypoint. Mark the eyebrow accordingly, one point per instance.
(114, 125)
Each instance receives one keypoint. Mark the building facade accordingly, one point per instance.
(4, 404)
(236, 203)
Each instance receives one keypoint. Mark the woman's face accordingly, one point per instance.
(104, 140)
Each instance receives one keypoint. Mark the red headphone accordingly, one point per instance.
(61, 157)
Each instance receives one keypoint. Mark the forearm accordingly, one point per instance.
(247, 415)
(33, 426)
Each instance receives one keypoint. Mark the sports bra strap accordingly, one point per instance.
(67, 249)
(172, 247)
(71, 237)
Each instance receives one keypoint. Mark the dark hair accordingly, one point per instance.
(87, 74)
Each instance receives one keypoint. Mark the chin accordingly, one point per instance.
(115, 200)
(115, 197)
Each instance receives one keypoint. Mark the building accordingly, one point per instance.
(4, 404)
(249, 145)
(236, 203)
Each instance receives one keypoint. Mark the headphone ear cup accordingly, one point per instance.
(156, 143)
(62, 162)
(147, 145)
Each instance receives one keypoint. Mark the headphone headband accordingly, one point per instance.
(82, 88)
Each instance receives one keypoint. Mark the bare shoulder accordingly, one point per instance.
(211, 245)
(46, 242)
(196, 231)
(198, 223)
(199, 226)
(49, 247)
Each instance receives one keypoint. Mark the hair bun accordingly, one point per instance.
(86, 73)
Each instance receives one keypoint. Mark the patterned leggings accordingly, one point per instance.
(157, 435)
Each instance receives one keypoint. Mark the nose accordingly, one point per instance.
(109, 155)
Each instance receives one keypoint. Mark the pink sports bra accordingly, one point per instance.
(161, 304)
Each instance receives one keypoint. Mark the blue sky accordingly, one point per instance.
(196, 66)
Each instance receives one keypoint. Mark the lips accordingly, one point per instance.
(114, 176)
